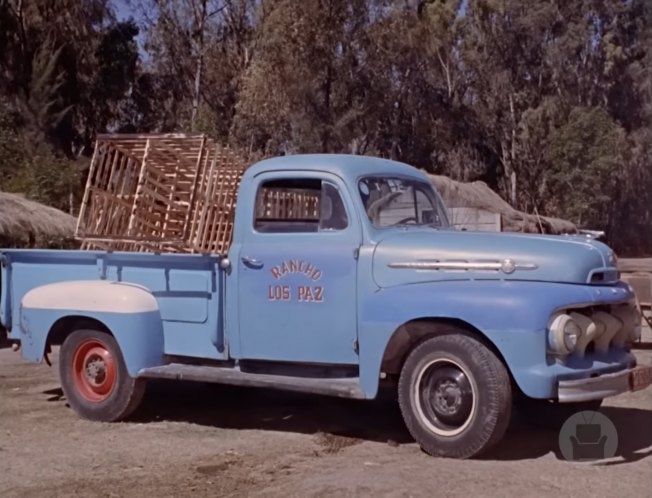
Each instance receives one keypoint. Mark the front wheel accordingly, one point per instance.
(94, 377)
(455, 396)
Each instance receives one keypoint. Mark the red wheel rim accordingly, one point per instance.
(93, 370)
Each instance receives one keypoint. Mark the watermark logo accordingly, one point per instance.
(587, 436)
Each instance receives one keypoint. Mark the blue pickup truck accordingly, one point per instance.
(372, 289)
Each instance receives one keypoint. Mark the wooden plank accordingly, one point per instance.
(141, 179)
(195, 183)
(125, 238)
(87, 191)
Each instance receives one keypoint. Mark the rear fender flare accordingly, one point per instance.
(129, 312)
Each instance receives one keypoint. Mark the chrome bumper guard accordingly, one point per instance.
(611, 384)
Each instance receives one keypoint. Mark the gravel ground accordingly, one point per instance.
(196, 439)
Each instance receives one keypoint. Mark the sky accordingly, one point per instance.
(122, 10)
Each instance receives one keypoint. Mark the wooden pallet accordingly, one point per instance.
(160, 192)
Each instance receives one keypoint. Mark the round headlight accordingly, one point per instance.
(572, 333)
(563, 334)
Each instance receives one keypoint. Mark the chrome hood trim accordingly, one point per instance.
(425, 255)
(506, 266)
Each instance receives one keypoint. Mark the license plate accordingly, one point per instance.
(640, 378)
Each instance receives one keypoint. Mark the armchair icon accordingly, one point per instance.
(588, 443)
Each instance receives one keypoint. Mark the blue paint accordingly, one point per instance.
(557, 259)
(186, 288)
(355, 301)
(318, 326)
(512, 315)
(139, 335)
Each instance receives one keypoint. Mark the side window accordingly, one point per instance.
(332, 211)
(298, 205)
(427, 215)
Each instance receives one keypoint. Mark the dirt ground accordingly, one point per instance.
(207, 440)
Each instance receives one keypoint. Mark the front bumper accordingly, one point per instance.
(605, 385)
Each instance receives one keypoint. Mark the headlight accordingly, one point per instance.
(563, 335)
(589, 330)
(572, 334)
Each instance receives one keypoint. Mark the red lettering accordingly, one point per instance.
(278, 293)
(309, 294)
(296, 266)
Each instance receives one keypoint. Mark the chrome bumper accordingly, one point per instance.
(632, 379)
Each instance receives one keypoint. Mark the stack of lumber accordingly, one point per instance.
(160, 192)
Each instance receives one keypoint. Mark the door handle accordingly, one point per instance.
(251, 262)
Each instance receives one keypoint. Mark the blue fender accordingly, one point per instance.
(130, 312)
(512, 315)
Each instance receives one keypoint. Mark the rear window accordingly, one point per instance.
(299, 205)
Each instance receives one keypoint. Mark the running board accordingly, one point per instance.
(342, 387)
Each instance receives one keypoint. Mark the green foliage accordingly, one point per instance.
(586, 157)
(49, 179)
(10, 145)
(548, 102)
(41, 104)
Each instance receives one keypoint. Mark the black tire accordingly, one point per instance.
(455, 366)
(549, 414)
(102, 393)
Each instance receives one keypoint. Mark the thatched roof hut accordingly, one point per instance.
(25, 222)
(479, 195)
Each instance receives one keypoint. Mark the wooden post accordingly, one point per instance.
(193, 189)
(87, 192)
(141, 182)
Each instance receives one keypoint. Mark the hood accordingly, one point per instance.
(425, 255)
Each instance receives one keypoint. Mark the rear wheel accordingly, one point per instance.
(455, 396)
(94, 377)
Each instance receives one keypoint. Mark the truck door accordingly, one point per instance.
(297, 271)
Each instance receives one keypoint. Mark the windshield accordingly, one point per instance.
(391, 202)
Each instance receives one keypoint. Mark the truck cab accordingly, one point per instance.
(343, 274)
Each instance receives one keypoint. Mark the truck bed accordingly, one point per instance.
(187, 288)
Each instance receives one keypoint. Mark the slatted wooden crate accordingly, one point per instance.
(288, 204)
(172, 192)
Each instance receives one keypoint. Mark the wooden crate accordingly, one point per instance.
(172, 192)
(288, 204)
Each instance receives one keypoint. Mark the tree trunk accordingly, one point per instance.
(446, 68)
(327, 108)
(199, 53)
(196, 91)
(512, 158)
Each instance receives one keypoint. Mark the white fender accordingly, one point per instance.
(91, 295)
